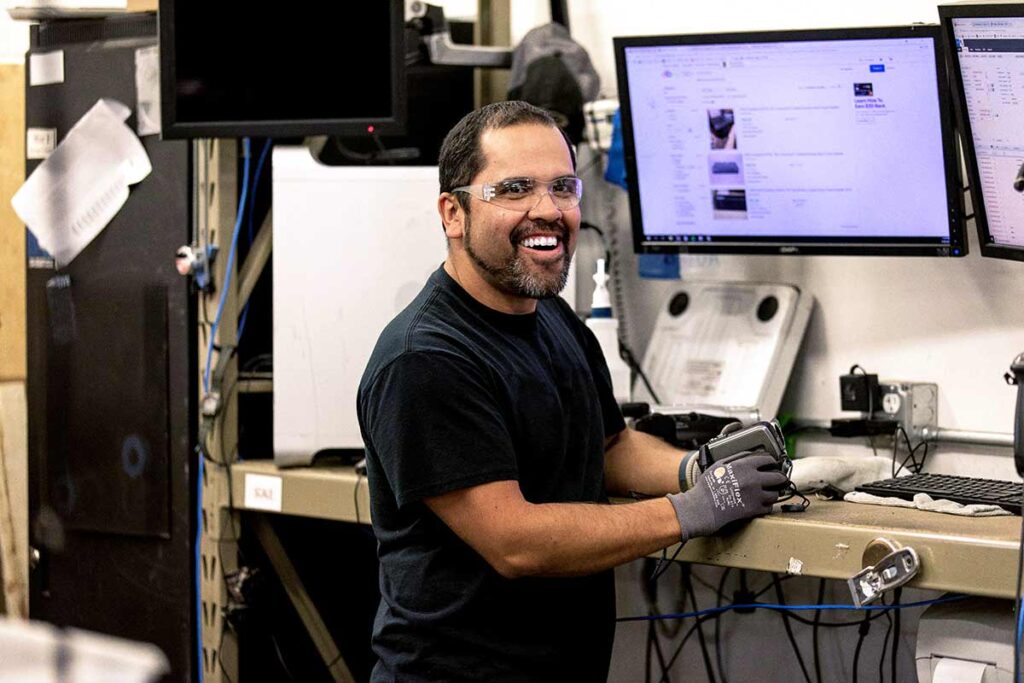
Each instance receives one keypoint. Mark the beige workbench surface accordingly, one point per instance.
(977, 556)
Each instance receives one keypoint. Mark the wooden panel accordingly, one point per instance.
(142, 5)
(12, 230)
(14, 499)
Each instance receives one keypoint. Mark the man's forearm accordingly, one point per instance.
(639, 462)
(566, 539)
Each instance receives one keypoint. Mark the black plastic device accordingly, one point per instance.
(858, 392)
(765, 436)
(1017, 370)
(983, 41)
(685, 430)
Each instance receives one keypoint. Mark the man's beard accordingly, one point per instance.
(512, 275)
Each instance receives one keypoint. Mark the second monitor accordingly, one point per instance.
(792, 142)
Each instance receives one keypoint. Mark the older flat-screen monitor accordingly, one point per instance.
(986, 50)
(322, 68)
(792, 142)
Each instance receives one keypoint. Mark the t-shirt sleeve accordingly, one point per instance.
(610, 411)
(434, 425)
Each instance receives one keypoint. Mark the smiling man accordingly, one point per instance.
(493, 439)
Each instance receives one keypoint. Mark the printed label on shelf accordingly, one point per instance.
(263, 492)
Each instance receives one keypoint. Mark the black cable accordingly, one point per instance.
(805, 428)
(611, 263)
(815, 629)
(718, 623)
(771, 585)
(916, 466)
(649, 590)
(627, 355)
(679, 648)
(647, 658)
(700, 633)
(383, 150)
(668, 628)
(885, 645)
(703, 582)
(220, 648)
(587, 225)
(789, 629)
(280, 658)
(590, 164)
(871, 398)
(896, 595)
(865, 627)
(653, 635)
(665, 562)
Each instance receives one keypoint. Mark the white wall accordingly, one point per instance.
(956, 322)
(595, 22)
(13, 37)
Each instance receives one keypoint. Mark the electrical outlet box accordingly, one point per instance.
(915, 405)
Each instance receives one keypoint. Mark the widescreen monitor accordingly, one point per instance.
(791, 142)
(986, 49)
(232, 70)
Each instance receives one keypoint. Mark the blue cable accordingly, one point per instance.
(206, 389)
(794, 608)
(231, 261)
(1020, 629)
(250, 212)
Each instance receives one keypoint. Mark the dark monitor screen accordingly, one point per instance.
(230, 70)
(986, 49)
(792, 142)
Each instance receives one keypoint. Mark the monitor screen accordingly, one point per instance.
(793, 142)
(332, 68)
(987, 58)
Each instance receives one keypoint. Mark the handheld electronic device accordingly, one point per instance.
(765, 436)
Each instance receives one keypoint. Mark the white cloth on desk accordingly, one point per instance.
(922, 501)
(842, 472)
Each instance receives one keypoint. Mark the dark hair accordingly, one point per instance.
(461, 158)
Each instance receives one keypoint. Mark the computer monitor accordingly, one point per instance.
(321, 68)
(986, 51)
(792, 142)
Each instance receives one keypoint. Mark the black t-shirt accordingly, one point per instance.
(455, 395)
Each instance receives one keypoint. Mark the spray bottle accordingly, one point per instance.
(606, 328)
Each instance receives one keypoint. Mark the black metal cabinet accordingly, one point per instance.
(111, 378)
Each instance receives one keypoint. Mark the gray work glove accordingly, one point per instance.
(738, 487)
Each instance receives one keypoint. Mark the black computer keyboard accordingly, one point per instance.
(966, 490)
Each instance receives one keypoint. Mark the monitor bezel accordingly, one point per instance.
(174, 129)
(946, 15)
(786, 245)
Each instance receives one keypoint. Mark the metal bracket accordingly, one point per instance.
(894, 569)
(430, 21)
(443, 51)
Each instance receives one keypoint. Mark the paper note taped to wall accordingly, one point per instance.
(82, 185)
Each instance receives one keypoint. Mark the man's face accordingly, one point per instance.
(503, 244)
